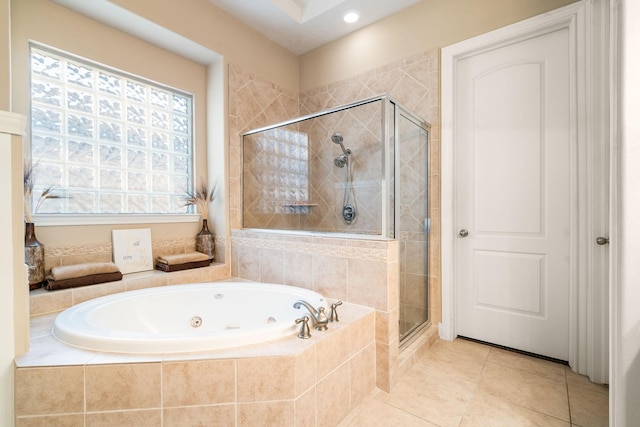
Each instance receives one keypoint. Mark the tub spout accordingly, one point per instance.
(318, 317)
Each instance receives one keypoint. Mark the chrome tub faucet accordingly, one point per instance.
(318, 317)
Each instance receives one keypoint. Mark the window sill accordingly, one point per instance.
(53, 220)
(43, 302)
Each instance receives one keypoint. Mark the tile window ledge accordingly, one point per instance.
(54, 220)
(42, 301)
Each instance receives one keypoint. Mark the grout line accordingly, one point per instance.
(476, 387)
(566, 384)
(84, 395)
(235, 397)
(162, 363)
(514, 350)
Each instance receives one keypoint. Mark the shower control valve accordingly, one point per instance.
(348, 213)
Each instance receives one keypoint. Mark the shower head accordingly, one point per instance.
(336, 138)
(341, 160)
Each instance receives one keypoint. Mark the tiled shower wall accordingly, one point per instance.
(339, 268)
(413, 83)
(253, 103)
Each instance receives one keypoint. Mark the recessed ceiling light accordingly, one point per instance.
(351, 16)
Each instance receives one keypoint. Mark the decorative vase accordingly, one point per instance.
(33, 257)
(205, 241)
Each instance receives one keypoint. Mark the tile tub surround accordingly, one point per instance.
(363, 272)
(288, 382)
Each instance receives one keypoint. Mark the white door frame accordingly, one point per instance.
(587, 22)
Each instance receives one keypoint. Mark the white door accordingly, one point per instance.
(512, 145)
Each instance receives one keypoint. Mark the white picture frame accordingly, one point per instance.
(132, 250)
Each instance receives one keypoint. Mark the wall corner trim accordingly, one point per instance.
(12, 123)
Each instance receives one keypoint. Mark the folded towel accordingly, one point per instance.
(182, 258)
(80, 270)
(184, 266)
(51, 285)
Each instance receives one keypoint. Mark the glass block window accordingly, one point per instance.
(108, 141)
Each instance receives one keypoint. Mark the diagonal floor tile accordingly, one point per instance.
(589, 405)
(443, 404)
(378, 413)
(458, 349)
(468, 384)
(542, 367)
(526, 389)
(489, 411)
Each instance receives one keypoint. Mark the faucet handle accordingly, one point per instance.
(321, 320)
(304, 333)
(333, 316)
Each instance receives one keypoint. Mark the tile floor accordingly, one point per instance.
(463, 383)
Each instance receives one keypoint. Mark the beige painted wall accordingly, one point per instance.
(7, 326)
(5, 52)
(59, 27)
(14, 326)
(427, 25)
(200, 21)
(45, 22)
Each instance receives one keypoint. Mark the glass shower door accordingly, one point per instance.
(412, 222)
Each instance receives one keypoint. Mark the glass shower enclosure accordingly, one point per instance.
(358, 170)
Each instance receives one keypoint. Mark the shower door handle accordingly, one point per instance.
(463, 233)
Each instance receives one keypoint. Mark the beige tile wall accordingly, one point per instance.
(358, 271)
(412, 82)
(253, 103)
(103, 252)
(314, 382)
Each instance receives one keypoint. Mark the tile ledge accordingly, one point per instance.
(47, 351)
(109, 288)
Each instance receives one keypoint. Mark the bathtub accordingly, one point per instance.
(185, 318)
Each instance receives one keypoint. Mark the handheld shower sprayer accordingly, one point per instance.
(343, 158)
(349, 201)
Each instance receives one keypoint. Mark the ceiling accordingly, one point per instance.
(303, 25)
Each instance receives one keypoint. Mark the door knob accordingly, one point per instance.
(602, 241)
(464, 232)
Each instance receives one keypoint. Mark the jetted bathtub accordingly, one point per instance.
(185, 318)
